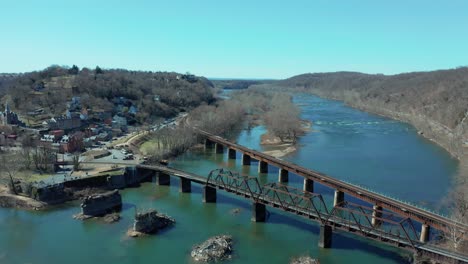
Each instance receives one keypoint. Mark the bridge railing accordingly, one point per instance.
(234, 182)
(386, 225)
(287, 197)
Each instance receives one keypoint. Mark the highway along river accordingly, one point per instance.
(378, 153)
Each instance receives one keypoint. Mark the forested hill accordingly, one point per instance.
(435, 102)
(155, 94)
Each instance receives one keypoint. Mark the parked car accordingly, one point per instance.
(128, 157)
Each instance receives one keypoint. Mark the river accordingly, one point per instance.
(378, 153)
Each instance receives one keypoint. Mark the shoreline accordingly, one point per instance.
(10, 200)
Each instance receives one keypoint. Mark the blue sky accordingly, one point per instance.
(242, 39)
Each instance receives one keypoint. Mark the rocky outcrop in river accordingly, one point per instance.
(149, 222)
(216, 248)
(304, 260)
(100, 204)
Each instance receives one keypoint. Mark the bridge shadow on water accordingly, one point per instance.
(345, 241)
(227, 199)
(340, 239)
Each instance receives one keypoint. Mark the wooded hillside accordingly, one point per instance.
(155, 94)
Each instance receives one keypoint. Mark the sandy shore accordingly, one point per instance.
(281, 148)
(279, 153)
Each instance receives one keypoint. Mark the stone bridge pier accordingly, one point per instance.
(231, 153)
(246, 159)
(425, 230)
(262, 167)
(185, 185)
(376, 214)
(163, 178)
(283, 175)
(219, 148)
(258, 212)
(308, 185)
(209, 144)
(325, 237)
(209, 194)
(339, 198)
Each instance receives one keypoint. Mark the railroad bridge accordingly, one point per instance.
(386, 220)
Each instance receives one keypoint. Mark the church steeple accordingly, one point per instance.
(7, 108)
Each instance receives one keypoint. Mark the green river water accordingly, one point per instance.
(378, 153)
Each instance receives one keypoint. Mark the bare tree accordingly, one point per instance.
(44, 158)
(76, 161)
(9, 167)
(26, 157)
(457, 203)
(283, 119)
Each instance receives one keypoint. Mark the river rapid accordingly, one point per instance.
(381, 154)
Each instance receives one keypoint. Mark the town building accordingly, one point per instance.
(71, 121)
(72, 143)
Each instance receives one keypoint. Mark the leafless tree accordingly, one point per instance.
(9, 167)
(457, 203)
(283, 120)
(43, 158)
(26, 157)
(76, 161)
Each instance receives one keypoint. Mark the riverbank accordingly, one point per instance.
(427, 128)
(9, 200)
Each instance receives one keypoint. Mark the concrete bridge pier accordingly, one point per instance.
(425, 230)
(308, 185)
(262, 167)
(245, 159)
(163, 178)
(219, 148)
(376, 213)
(325, 237)
(208, 144)
(283, 175)
(339, 198)
(209, 194)
(258, 212)
(231, 153)
(185, 185)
